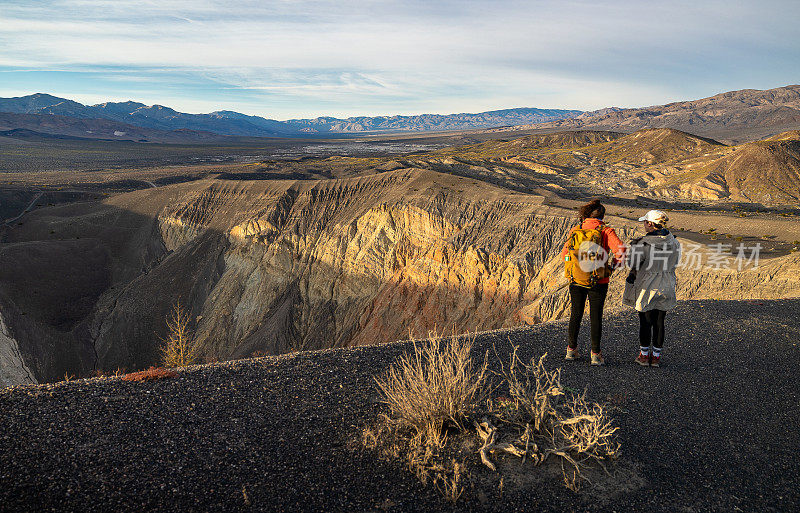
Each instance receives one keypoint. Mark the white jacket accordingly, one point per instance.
(654, 257)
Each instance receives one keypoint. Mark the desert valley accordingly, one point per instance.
(303, 254)
(313, 252)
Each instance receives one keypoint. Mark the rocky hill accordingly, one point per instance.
(766, 172)
(734, 116)
(661, 163)
(711, 430)
(271, 266)
(542, 142)
(789, 135)
(763, 171)
(654, 146)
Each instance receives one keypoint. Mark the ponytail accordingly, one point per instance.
(593, 209)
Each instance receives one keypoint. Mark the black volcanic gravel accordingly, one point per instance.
(714, 429)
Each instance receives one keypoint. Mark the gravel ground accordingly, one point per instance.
(714, 429)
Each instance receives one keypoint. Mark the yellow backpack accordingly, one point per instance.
(587, 262)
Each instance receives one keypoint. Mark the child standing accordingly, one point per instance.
(650, 287)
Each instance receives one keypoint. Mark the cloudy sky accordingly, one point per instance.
(303, 58)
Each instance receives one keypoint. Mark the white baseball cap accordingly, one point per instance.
(655, 216)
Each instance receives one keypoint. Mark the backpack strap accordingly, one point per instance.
(571, 233)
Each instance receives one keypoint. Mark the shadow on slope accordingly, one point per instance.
(277, 266)
(277, 432)
(88, 286)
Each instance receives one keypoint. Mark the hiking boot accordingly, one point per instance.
(654, 360)
(642, 359)
(597, 359)
(572, 354)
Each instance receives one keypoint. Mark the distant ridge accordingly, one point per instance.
(51, 126)
(232, 123)
(764, 171)
(733, 117)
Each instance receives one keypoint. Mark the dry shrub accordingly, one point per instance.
(370, 438)
(449, 482)
(534, 393)
(179, 348)
(151, 374)
(587, 429)
(97, 373)
(437, 385)
(429, 464)
(547, 422)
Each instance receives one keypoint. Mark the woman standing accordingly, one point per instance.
(650, 287)
(589, 253)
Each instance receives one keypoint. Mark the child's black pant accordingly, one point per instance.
(651, 328)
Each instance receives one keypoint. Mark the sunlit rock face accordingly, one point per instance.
(266, 267)
(370, 260)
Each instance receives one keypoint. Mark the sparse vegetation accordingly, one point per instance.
(99, 373)
(179, 348)
(437, 386)
(151, 374)
(434, 390)
(437, 394)
(543, 419)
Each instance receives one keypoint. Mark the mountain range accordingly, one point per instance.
(159, 117)
(733, 117)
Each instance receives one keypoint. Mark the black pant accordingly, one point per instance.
(651, 328)
(597, 297)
